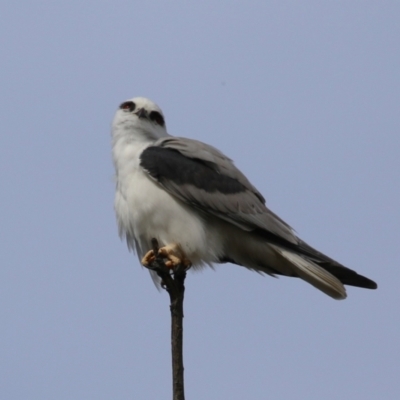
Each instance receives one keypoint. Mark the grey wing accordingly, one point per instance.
(203, 177)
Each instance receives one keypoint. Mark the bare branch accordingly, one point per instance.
(174, 284)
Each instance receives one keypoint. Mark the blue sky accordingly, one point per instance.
(304, 96)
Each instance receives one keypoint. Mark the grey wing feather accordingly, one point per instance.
(245, 209)
(197, 150)
(203, 177)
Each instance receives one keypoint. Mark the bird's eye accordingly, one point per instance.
(156, 117)
(128, 106)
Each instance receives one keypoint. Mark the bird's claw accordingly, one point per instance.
(171, 255)
(148, 259)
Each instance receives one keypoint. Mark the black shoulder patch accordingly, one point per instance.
(162, 163)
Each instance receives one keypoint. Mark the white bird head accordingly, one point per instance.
(140, 119)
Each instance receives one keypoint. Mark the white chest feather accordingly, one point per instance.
(145, 211)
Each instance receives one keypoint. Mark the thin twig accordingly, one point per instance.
(175, 286)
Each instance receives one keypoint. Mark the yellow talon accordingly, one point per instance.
(172, 253)
(148, 258)
(175, 256)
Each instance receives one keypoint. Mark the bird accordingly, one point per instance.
(202, 209)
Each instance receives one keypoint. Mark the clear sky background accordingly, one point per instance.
(304, 96)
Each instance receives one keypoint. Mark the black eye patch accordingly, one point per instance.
(128, 106)
(156, 117)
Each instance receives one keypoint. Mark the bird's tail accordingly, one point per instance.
(314, 274)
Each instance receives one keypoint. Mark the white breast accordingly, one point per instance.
(145, 211)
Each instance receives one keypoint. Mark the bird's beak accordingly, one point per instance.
(142, 113)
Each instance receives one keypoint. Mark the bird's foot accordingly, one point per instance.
(148, 259)
(172, 256)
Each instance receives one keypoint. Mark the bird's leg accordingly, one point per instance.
(169, 262)
(148, 259)
(175, 256)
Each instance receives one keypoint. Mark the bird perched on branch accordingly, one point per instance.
(201, 209)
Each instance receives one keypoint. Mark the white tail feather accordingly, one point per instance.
(315, 275)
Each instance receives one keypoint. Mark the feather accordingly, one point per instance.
(314, 274)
